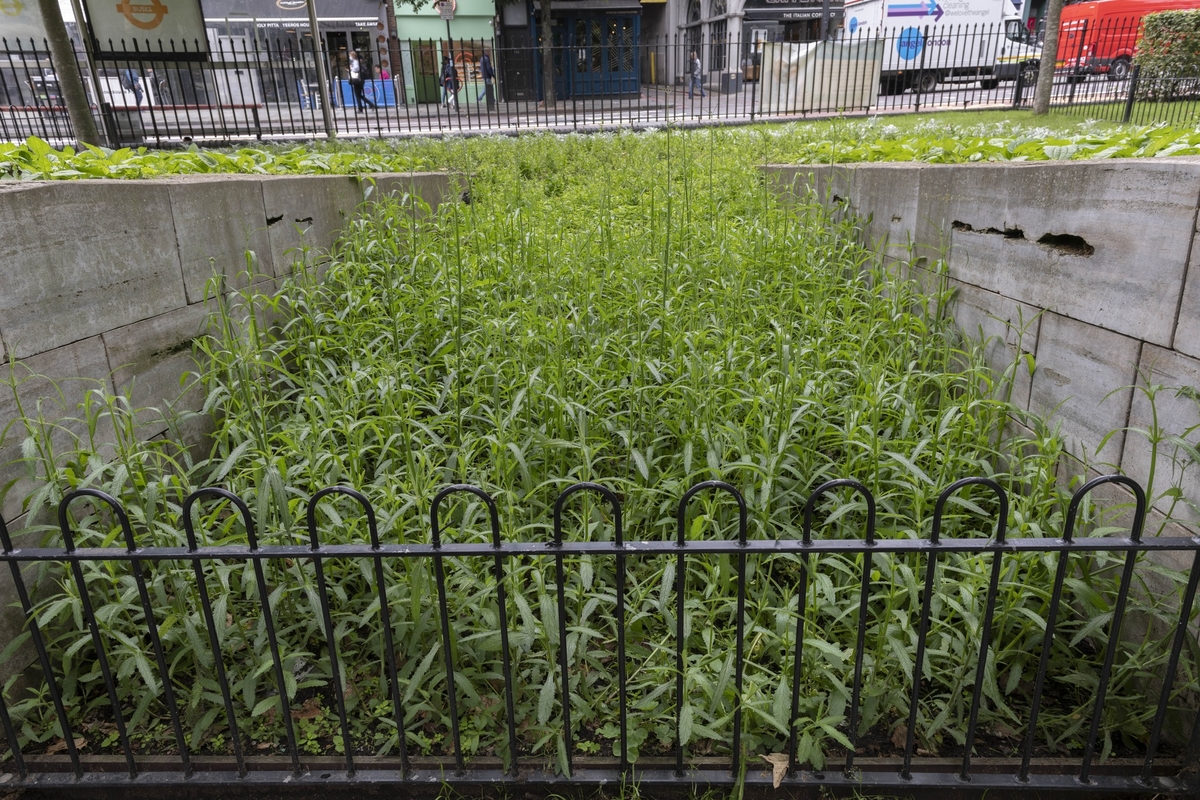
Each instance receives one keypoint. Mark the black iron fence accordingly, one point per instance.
(271, 90)
(1138, 97)
(1099, 75)
(127, 564)
(31, 103)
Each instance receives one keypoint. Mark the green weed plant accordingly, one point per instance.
(942, 139)
(636, 310)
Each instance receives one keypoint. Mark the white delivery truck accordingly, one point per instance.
(928, 42)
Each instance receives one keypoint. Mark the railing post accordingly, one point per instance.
(1133, 87)
(921, 70)
(1078, 58)
(322, 78)
(1019, 90)
(758, 76)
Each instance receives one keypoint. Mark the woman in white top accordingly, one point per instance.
(358, 76)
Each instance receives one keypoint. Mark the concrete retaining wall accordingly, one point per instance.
(1086, 266)
(102, 282)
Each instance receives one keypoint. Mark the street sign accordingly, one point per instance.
(21, 21)
(166, 30)
(446, 9)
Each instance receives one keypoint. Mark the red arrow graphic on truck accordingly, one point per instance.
(930, 8)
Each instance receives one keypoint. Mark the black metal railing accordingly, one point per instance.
(30, 101)
(1070, 550)
(164, 93)
(1140, 97)
(1098, 74)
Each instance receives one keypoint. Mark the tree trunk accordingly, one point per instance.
(547, 55)
(393, 44)
(70, 82)
(1045, 83)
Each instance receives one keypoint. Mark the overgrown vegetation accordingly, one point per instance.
(942, 139)
(637, 310)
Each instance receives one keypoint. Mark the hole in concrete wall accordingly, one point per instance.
(305, 221)
(1007, 233)
(1067, 243)
(273, 220)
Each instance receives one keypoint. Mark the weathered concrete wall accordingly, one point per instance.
(1086, 266)
(102, 282)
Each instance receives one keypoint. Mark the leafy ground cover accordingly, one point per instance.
(940, 138)
(633, 309)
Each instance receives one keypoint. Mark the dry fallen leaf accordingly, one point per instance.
(779, 767)
(310, 710)
(900, 737)
(61, 745)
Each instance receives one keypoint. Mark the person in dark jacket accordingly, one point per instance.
(489, 76)
(449, 82)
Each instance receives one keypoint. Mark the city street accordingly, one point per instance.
(656, 105)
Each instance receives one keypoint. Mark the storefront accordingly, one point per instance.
(784, 21)
(596, 50)
(345, 24)
(426, 39)
(789, 20)
(278, 31)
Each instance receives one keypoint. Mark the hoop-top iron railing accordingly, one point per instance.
(1087, 775)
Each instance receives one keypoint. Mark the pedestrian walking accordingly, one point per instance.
(694, 82)
(132, 82)
(489, 76)
(449, 83)
(358, 77)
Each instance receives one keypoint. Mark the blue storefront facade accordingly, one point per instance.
(596, 50)
(595, 46)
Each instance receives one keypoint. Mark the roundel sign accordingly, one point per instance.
(853, 24)
(172, 29)
(145, 15)
(910, 43)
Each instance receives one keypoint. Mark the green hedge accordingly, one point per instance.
(1170, 44)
